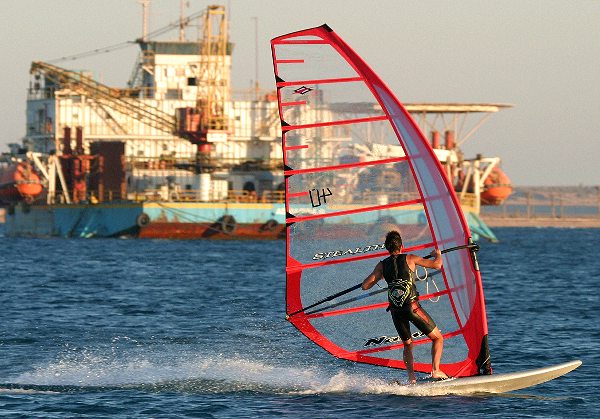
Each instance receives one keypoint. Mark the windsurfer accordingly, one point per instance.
(399, 272)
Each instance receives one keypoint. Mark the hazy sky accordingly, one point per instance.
(543, 56)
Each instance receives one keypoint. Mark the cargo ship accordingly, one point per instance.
(176, 154)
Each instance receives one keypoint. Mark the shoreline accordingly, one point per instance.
(566, 222)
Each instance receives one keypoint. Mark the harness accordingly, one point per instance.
(400, 287)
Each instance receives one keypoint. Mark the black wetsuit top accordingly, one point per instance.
(401, 284)
(404, 298)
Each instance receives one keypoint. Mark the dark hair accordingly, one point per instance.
(393, 241)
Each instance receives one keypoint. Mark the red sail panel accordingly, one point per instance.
(356, 167)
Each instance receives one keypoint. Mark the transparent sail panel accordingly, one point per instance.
(309, 103)
(351, 188)
(342, 144)
(464, 287)
(352, 331)
(308, 239)
(329, 279)
(370, 330)
(310, 62)
(444, 215)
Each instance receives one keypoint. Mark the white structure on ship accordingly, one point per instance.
(177, 133)
(176, 120)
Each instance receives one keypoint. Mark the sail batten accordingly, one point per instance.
(334, 123)
(318, 81)
(344, 166)
(360, 210)
(300, 61)
(357, 166)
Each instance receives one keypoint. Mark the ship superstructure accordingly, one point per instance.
(174, 126)
(176, 154)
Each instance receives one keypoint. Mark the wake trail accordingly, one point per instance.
(195, 374)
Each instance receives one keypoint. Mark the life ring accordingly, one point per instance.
(227, 224)
(270, 225)
(142, 220)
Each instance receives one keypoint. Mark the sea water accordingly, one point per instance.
(144, 328)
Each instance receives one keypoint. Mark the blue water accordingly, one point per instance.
(556, 211)
(134, 328)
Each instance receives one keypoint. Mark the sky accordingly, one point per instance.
(542, 56)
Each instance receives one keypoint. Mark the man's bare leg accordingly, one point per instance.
(437, 347)
(409, 361)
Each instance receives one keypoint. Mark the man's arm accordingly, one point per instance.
(435, 263)
(375, 276)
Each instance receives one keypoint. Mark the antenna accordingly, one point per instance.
(181, 21)
(145, 13)
(256, 88)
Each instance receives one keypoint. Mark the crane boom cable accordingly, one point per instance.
(121, 45)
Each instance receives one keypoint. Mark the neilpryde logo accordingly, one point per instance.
(382, 340)
(339, 253)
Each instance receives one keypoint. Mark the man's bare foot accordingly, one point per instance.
(412, 380)
(439, 375)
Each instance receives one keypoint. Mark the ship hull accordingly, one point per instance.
(212, 231)
(171, 220)
(85, 221)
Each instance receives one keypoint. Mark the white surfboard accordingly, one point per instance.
(497, 383)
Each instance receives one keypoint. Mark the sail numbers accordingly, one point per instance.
(315, 199)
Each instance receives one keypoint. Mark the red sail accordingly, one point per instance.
(357, 166)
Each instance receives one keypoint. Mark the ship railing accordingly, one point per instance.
(382, 197)
(267, 196)
(191, 195)
(549, 202)
(273, 196)
(108, 196)
(174, 163)
(468, 200)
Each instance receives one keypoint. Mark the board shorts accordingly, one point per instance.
(411, 312)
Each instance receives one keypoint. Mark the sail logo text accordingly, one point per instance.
(382, 340)
(338, 253)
